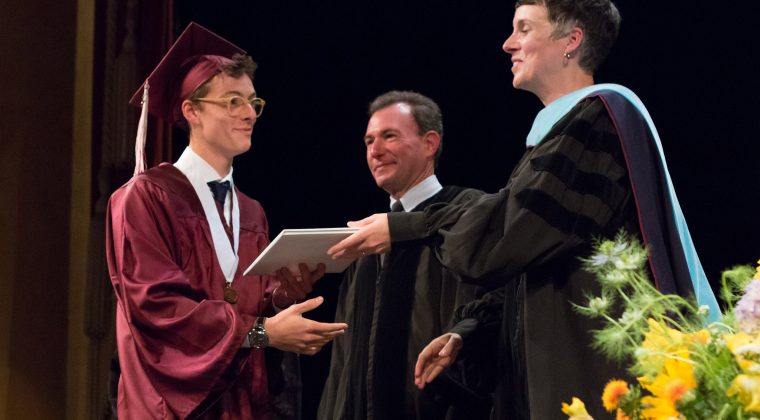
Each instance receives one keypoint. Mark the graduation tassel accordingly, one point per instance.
(142, 132)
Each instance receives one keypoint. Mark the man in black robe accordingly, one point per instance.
(397, 303)
(596, 171)
(593, 166)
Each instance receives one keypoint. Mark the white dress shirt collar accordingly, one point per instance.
(419, 193)
(195, 166)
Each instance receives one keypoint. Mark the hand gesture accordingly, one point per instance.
(373, 237)
(295, 288)
(435, 357)
(290, 331)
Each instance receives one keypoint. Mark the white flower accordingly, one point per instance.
(620, 247)
(625, 263)
(599, 260)
(599, 304)
(748, 349)
(614, 278)
(747, 310)
(631, 316)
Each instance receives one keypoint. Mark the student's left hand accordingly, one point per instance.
(294, 288)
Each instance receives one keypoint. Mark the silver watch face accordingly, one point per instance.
(258, 335)
(260, 339)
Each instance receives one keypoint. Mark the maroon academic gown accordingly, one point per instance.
(179, 341)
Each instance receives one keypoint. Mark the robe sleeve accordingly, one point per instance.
(573, 185)
(479, 317)
(184, 341)
(478, 323)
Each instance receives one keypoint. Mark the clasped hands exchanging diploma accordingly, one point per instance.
(373, 237)
(288, 330)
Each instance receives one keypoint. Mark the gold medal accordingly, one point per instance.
(230, 295)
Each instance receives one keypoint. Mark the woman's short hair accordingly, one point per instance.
(599, 20)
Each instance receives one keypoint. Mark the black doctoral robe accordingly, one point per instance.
(394, 308)
(595, 172)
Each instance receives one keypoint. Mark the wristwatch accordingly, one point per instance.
(257, 336)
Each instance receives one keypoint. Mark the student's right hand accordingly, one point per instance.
(290, 331)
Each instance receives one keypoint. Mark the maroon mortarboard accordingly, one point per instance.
(196, 56)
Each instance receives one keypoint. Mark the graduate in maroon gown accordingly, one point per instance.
(191, 329)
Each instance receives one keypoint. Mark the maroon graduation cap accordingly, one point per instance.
(195, 57)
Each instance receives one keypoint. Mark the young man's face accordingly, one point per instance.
(217, 132)
(397, 155)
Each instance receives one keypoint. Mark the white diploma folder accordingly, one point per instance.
(294, 246)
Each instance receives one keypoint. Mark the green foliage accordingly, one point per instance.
(647, 328)
(733, 282)
(619, 266)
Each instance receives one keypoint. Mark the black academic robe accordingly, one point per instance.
(395, 305)
(576, 184)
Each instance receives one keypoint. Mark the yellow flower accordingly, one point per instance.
(656, 408)
(576, 410)
(658, 342)
(757, 271)
(746, 389)
(701, 336)
(746, 350)
(669, 386)
(661, 336)
(613, 391)
(675, 380)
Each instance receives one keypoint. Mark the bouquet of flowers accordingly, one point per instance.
(684, 368)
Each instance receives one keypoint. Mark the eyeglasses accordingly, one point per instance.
(236, 104)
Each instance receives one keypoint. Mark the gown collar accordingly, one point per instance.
(199, 172)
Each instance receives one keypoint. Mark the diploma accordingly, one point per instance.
(294, 246)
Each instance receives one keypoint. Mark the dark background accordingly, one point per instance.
(692, 63)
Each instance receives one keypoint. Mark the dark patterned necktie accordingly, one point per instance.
(397, 206)
(219, 189)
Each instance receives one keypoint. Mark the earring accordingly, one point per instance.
(566, 57)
